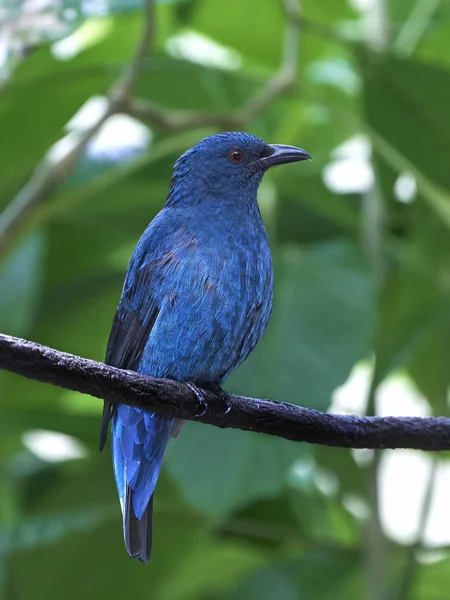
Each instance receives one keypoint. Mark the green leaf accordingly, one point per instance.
(20, 279)
(322, 324)
(307, 212)
(37, 532)
(434, 45)
(414, 326)
(403, 113)
(432, 579)
(261, 44)
(56, 97)
(429, 366)
(408, 129)
(212, 566)
(182, 549)
(321, 573)
(219, 470)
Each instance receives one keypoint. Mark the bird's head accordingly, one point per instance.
(227, 165)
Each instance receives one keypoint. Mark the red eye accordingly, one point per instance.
(236, 156)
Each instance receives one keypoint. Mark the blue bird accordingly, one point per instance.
(196, 299)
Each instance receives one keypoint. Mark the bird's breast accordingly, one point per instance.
(236, 263)
(217, 300)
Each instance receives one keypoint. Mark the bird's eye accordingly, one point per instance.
(236, 156)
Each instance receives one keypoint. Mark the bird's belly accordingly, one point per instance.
(212, 318)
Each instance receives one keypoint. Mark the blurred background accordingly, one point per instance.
(361, 322)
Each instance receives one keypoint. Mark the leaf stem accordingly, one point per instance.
(415, 27)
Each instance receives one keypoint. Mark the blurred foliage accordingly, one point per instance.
(358, 273)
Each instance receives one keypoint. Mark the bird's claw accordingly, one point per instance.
(199, 395)
(225, 397)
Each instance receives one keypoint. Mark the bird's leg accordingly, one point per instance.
(223, 395)
(199, 395)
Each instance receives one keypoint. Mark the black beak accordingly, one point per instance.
(282, 155)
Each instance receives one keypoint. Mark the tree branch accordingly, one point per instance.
(175, 399)
(282, 81)
(48, 175)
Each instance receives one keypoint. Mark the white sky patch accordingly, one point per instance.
(92, 8)
(89, 34)
(120, 138)
(62, 148)
(404, 474)
(351, 397)
(357, 145)
(403, 478)
(70, 14)
(397, 396)
(326, 482)
(3, 53)
(363, 5)
(200, 49)
(88, 114)
(336, 72)
(430, 557)
(302, 473)
(52, 446)
(350, 170)
(405, 188)
(363, 456)
(356, 506)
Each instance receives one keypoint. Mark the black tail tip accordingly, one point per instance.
(138, 532)
(143, 557)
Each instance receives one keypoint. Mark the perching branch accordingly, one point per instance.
(175, 399)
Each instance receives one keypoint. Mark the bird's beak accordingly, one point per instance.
(283, 154)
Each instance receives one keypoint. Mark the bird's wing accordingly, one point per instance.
(138, 308)
(134, 318)
(133, 322)
(140, 437)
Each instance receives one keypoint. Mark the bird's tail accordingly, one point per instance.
(138, 532)
(139, 439)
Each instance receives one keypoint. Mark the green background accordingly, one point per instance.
(358, 275)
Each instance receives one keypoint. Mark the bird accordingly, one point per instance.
(196, 299)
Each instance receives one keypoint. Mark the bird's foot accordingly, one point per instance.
(224, 396)
(199, 394)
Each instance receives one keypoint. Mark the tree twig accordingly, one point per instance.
(282, 81)
(121, 91)
(409, 574)
(415, 26)
(48, 175)
(175, 399)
